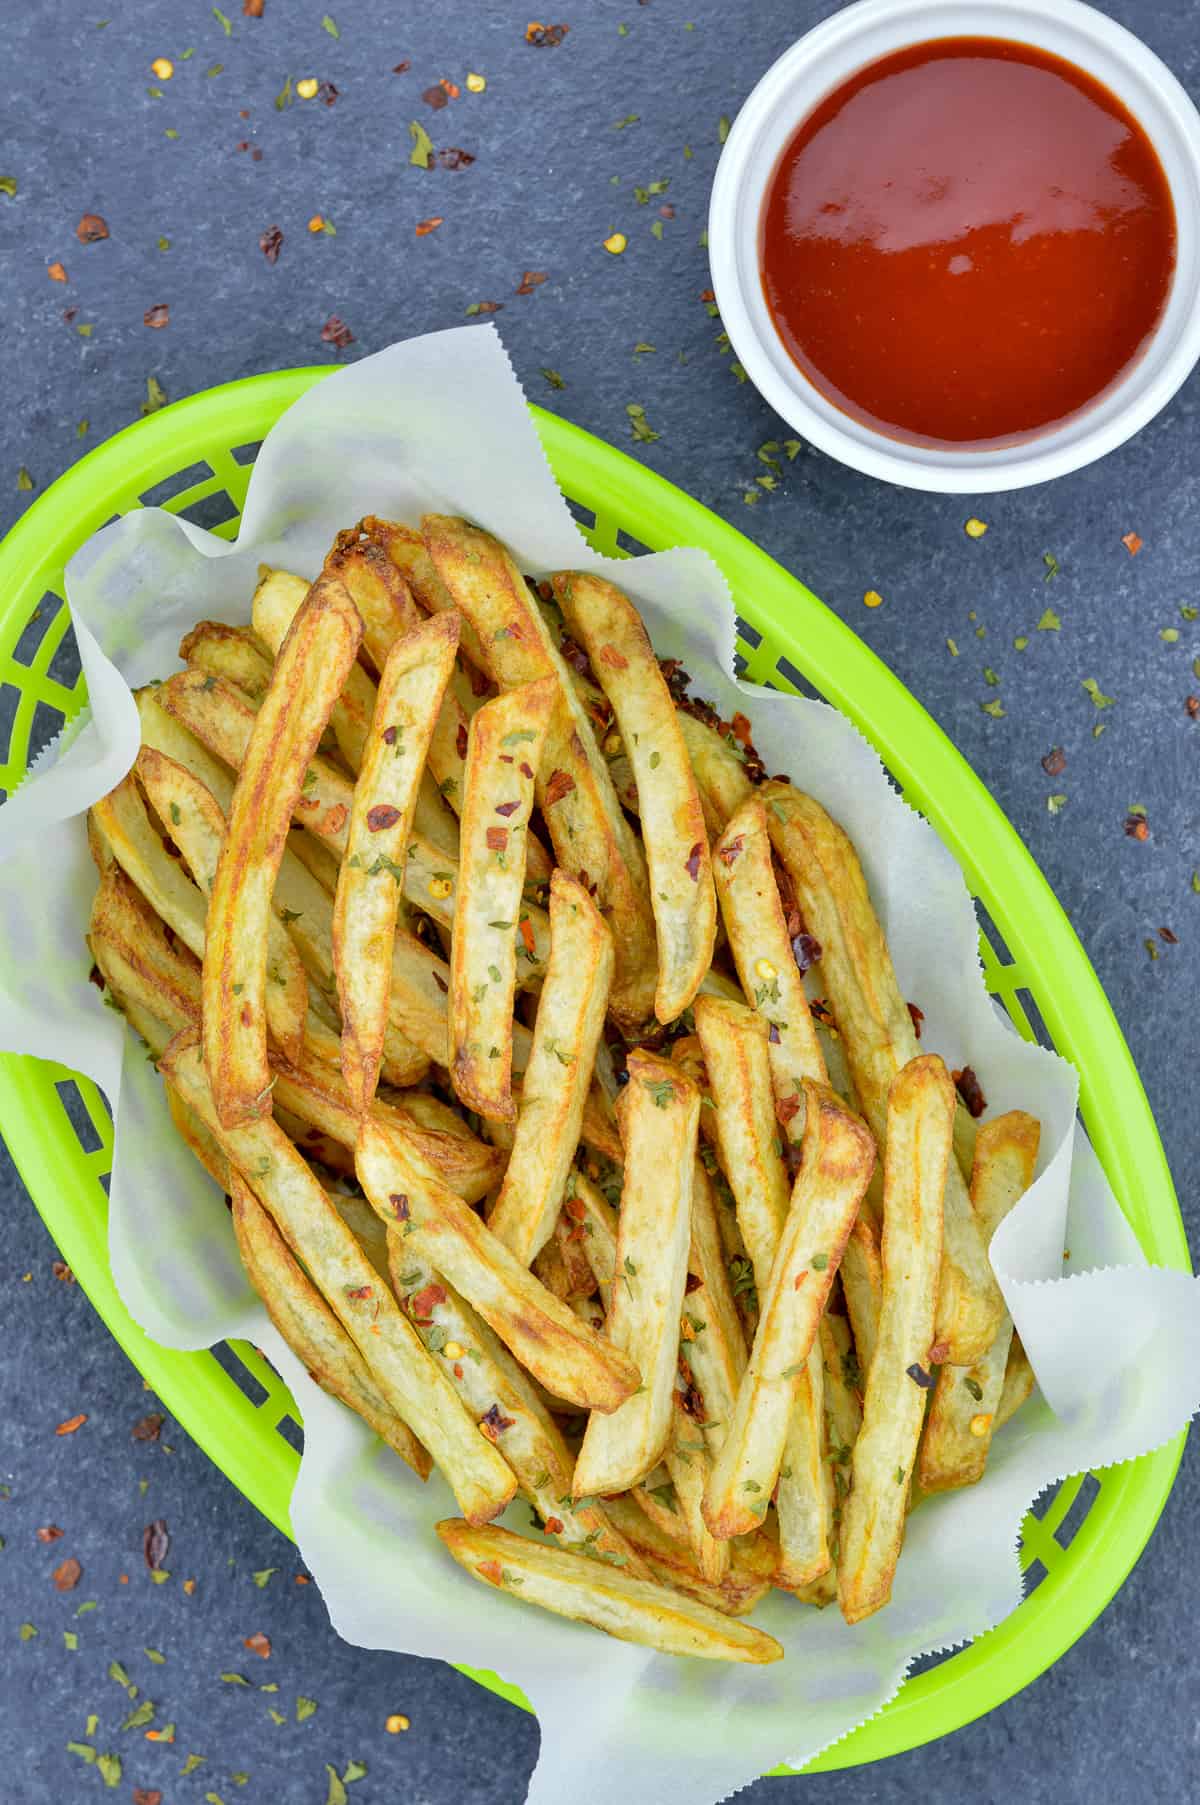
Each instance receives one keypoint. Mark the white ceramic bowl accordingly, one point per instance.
(819, 63)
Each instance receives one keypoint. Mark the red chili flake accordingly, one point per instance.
(559, 784)
(1137, 827)
(805, 951)
(436, 97)
(918, 1016)
(741, 729)
(970, 1090)
(525, 929)
(258, 1644)
(422, 1304)
(799, 1280)
(692, 863)
(56, 272)
(728, 853)
(1167, 935)
(72, 1423)
(493, 1422)
(384, 814)
(256, 156)
(773, 1035)
(425, 226)
(91, 229)
(156, 1544)
(49, 1532)
(689, 1398)
(156, 317)
(270, 243)
(67, 1575)
(70, 313)
(531, 279)
(492, 1571)
(507, 808)
(143, 1795)
(691, 1283)
(452, 88)
(576, 657)
(453, 158)
(389, 736)
(667, 212)
(554, 1526)
(328, 93)
(62, 1271)
(399, 1203)
(402, 68)
(497, 839)
(486, 307)
(247, 1015)
(937, 1353)
(1192, 706)
(253, 9)
(1133, 543)
(706, 294)
(1055, 762)
(786, 1108)
(545, 37)
(613, 658)
(336, 332)
(148, 1428)
(526, 769)
(460, 740)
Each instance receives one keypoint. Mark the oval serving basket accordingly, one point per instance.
(195, 459)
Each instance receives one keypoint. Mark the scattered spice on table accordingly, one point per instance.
(157, 317)
(258, 1644)
(545, 37)
(156, 1544)
(270, 243)
(425, 226)
(91, 229)
(72, 1424)
(1133, 543)
(336, 332)
(148, 1428)
(1136, 825)
(1055, 762)
(67, 1575)
(56, 272)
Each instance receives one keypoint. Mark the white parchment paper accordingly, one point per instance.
(440, 423)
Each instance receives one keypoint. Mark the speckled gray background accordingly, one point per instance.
(552, 176)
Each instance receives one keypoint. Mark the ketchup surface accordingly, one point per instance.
(967, 242)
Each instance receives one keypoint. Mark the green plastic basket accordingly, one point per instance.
(195, 458)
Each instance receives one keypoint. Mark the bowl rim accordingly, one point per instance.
(817, 63)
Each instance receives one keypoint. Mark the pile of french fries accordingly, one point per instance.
(477, 961)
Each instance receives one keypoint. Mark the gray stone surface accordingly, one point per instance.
(1116, 1717)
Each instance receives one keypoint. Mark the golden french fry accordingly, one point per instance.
(140, 962)
(310, 1328)
(406, 549)
(879, 1038)
(591, 836)
(194, 1134)
(736, 1054)
(836, 1162)
(232, 652)
(962, 1411)
(681, 886)
(364, 917)
(505, 751)
(689, 1463)
(710, 1325)
(377, 589)
(670, 1561)
(635, 1610)
(718, 768)
(803, 1504)
(757, 927)
(843, 1409)
(569, 1022)
(558, 1349)
(194, 819)
(505, 1402)
(917, 1157)
(307, 678)
(862, 1282)
(410, 1380)
(431, 880)
(276, 602)
(658, 1113)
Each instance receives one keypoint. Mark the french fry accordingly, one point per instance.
(194, 1134)
(569, 1022)
(879, 1039)
(503, 758)
(635, 1610)
(962, 1412)
(803, 1504)
(431, 878)
(504, 1401)
(736, 1055)
(758, 938)
(377, 589)
(587, 826)
(836, 1162)
(716, 1352)
(406, 549)
(681, 886)
(843, 1410)
(307, 677)
(409, 1379)
(862, 1282)
(365, 908)
(553, 1345)
(718, 769)
(232, 652)
(918, 1133)
(277, 600)
(194, 820)
(658, 1113)
(310, 1328)
(139, 962)
(670, 1561)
